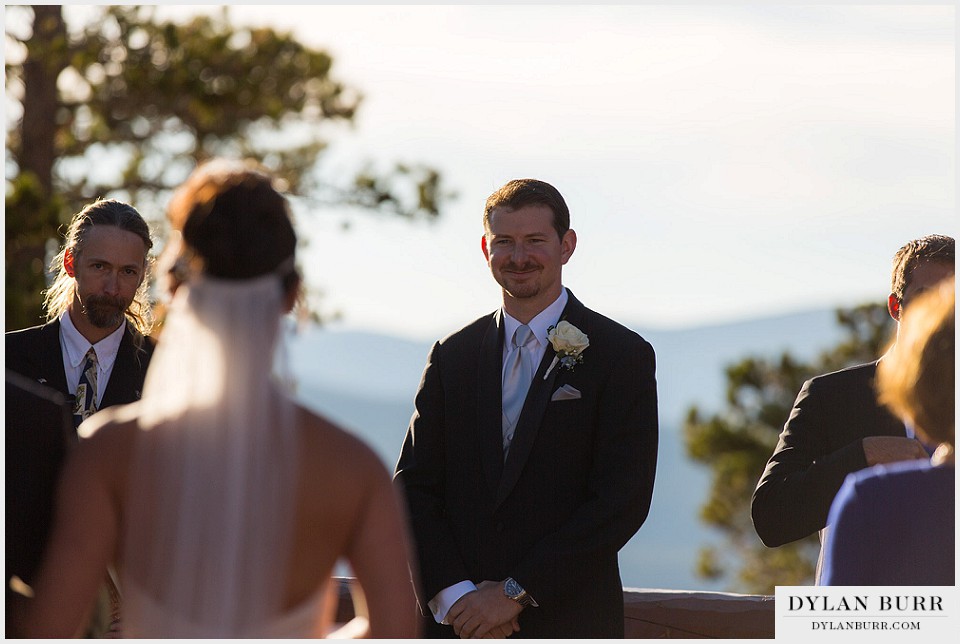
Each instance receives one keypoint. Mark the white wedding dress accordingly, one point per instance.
(151, 619)
(212, 495)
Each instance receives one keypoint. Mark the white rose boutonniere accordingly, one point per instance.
(569, 342)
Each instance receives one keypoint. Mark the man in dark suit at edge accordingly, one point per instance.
(837, 426)
(93, 349)
(523, 488)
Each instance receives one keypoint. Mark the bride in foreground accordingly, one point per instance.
(223, 503)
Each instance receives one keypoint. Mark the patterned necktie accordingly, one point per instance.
(517, 374)
(86, 399)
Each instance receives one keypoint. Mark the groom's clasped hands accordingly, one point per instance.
(485, 613)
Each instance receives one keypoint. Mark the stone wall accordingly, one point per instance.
(688, 614)
(670, 614)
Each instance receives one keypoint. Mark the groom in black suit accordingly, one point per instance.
(530, 458)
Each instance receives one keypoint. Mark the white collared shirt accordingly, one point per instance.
(443, 601)
(540, 324)
(74, 348)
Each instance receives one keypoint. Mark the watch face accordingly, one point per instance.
(512, 588)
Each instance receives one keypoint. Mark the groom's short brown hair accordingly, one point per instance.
(519, 193)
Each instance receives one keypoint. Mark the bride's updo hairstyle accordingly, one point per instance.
(234, 224)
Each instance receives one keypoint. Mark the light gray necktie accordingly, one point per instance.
(517, 374)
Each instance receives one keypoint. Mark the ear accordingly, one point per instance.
(568, 244)
(68, 262)
(292, 295)
(483, 247)
(893, 306)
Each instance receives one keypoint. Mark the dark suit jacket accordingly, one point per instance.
(820, 444)
(34, 454)
(575, 487)
(39, 427)
(36, 354)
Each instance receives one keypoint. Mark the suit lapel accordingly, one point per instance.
(51, 358)
(491, 401)
(528, 425)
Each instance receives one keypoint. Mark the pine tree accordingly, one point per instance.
(737, 442)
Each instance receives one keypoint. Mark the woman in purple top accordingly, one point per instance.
(893, 525)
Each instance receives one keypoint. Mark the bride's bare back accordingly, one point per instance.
(346, 507)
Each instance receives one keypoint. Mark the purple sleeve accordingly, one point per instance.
(848, 553)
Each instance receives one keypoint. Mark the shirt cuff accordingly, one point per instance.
(443, 601)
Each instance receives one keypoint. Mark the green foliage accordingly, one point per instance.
(737, 442)
(153, 98)
(29, 212)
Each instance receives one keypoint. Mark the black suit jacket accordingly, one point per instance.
(35, 444)
(577, 483)
(39, 427)
(36, 354)
(821, 442)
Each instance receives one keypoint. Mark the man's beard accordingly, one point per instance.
(529, 287)
(104, 311)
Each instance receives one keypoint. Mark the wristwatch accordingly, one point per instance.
(515, 591)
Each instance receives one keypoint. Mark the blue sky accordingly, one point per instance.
(720, 163)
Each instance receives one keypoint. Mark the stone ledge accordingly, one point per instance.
(669, 614)
(689, 614)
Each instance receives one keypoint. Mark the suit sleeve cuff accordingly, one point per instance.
(442, 602)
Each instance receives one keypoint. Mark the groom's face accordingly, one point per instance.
(524, 252)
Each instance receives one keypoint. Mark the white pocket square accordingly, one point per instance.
(565, 392)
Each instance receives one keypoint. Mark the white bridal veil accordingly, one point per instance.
(213, 482)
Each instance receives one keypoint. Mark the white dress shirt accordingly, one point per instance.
(540, 324)
(74, 348)
(444, 600)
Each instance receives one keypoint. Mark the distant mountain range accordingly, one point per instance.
(366, 382)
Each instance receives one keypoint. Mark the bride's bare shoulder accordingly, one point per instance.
(105, 448)
(110, 424)
(109, 420)
(110, 432)
(326, 442)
